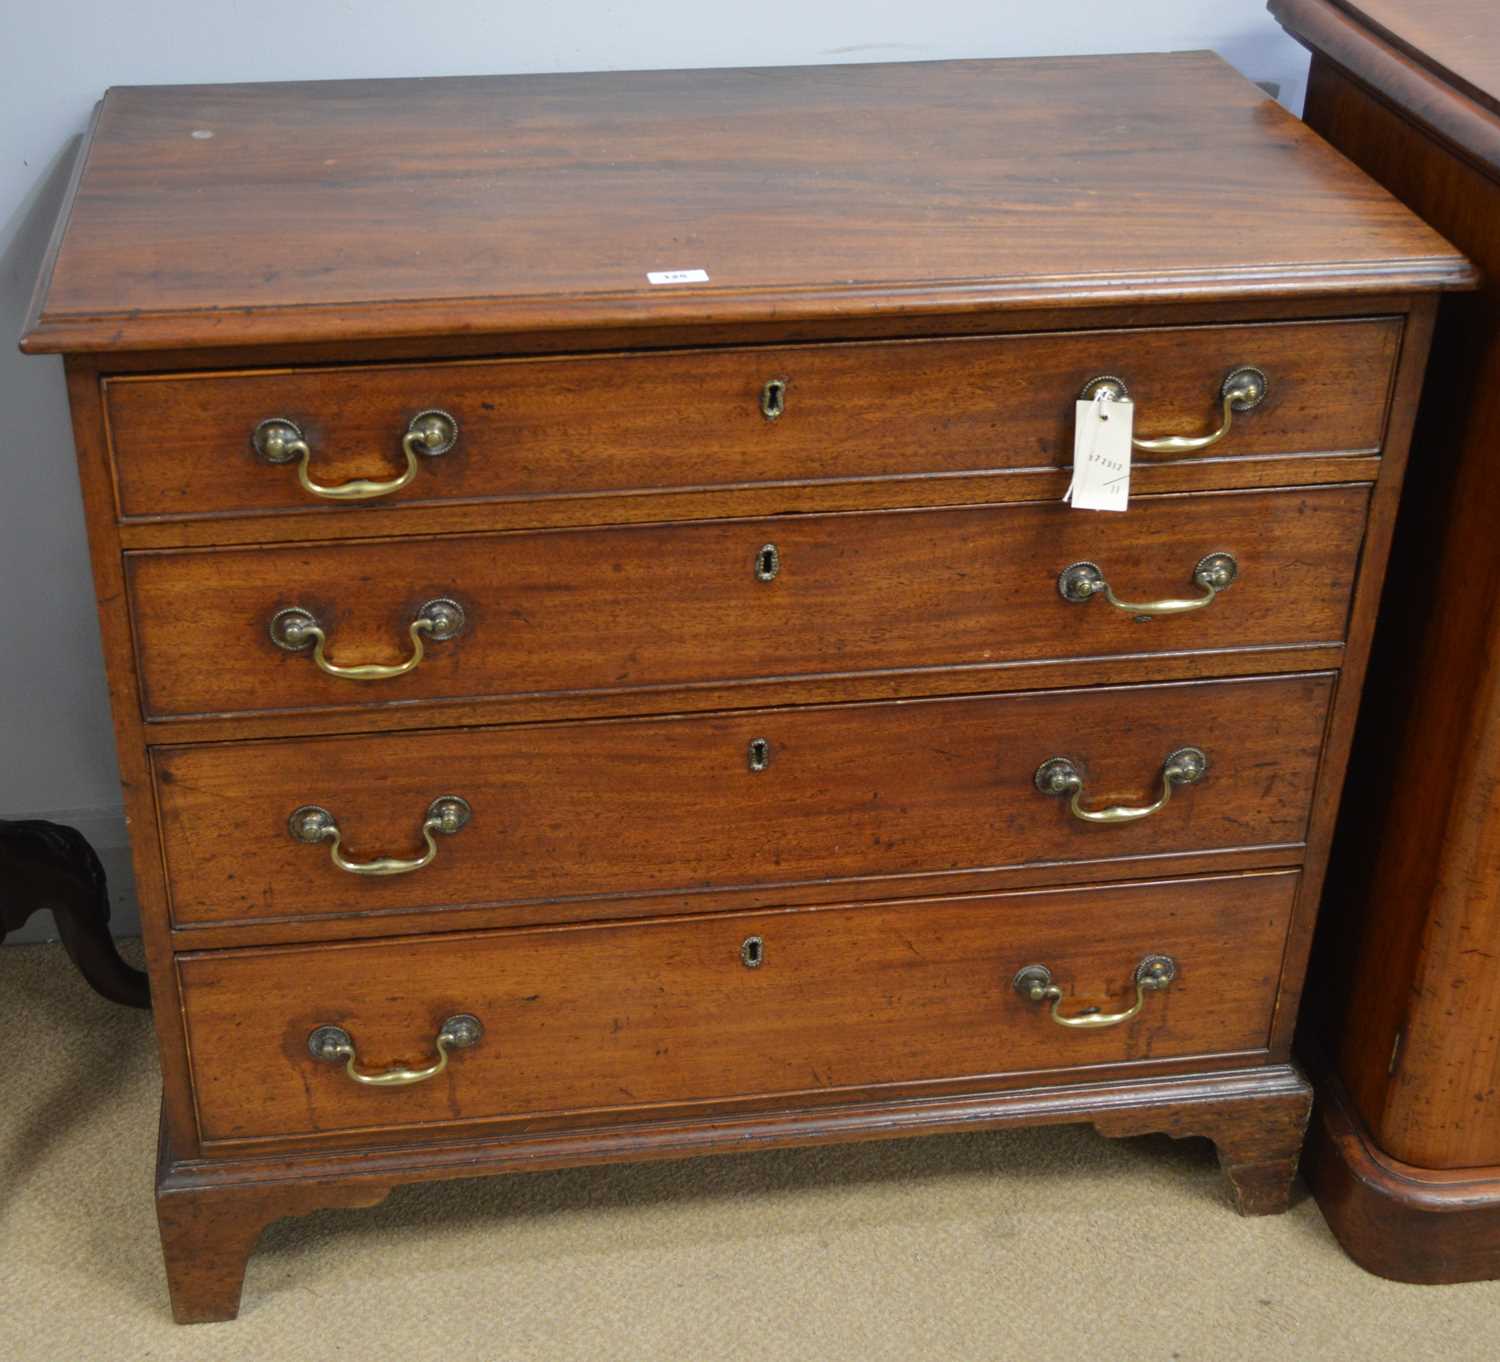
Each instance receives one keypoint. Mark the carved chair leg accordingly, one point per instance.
(87, 939)
(48, 865)
(208, 1234)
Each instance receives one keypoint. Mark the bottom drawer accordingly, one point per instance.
(670, 1012)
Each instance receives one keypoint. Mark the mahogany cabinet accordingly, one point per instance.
(1405, 1155)
(602, 663)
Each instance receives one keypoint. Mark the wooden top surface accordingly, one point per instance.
(349, 210)
(1459, 40)
(1437, 62)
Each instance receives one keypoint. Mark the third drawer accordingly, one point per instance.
(691, 807)
(662, 606)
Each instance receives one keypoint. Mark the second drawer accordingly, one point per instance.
(758, 799)
(635, 608)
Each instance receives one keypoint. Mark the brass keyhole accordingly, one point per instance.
(773, 398)
(759, 755)
(767, 563)
(752, 952)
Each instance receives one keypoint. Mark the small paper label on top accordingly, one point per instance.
(1101, 455)
(677, 276)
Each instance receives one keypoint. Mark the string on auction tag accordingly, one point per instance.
(1102, 428)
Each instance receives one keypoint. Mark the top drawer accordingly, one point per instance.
(675, 420)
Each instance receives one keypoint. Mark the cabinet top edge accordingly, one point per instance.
(1433, 63)
(348, 211)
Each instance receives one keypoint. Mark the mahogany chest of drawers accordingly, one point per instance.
(603, 667)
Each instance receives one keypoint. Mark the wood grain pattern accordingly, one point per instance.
(544, 428)
(624, 807)
(1339, 735)
(1421, 92)
(662, 1013)
(1399, 1220)
(212, 1212)
(621, 611)
(1440, 821)
(86, 407)
(938, 293)
(1454, 40)
(345, 210)
(1205, 474)
(1410, 1027)
(684, 333)
(207, 1235)
(418, 921)
(1056, 674)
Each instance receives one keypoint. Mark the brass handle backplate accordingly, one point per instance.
(1243, 388)
(430, 433)
(313, 824)
(1080, 582)
(295, 629)
(1034, 983)
(333, 1044)
(1061, 776)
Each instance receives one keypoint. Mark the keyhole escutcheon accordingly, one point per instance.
(759, 754)
(752, 952)
(767, 563)
(773, 398)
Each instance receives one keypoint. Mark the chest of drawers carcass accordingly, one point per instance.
(603, 667)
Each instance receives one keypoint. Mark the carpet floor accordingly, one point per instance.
(1029, 1245)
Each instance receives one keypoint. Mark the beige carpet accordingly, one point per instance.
(1029, 1245)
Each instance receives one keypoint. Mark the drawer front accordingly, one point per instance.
(581, 611)
(666, 1011)
(535, 428)
(678, 806)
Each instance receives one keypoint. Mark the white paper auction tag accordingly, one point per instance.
(677, 276)
(1101, 455)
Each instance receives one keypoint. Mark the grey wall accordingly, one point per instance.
(56, 747)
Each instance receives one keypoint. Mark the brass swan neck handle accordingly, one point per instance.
(312, 824)
(1080, 582)
(295, 628)
(332, 1044)
(279, 440)
(1244, 388)
(1153, 974)
(1060, 776)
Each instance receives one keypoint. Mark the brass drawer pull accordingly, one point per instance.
(313, 824)
(1243, 387)
(332, 1044)
(1154, 973)
(1081, 582)
(1061, 776)
(293, 628)
(430, 433)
